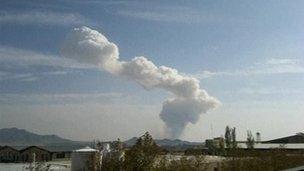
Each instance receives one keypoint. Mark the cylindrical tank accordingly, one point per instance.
(86, 159)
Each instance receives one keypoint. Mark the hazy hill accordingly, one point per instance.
(176, 142)
(169, 144)
(15, 136)
(22, 138)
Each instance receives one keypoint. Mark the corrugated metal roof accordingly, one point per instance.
(274, 145)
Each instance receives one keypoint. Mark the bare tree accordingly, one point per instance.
(250, 140)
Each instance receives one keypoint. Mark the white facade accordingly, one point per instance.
(85, 159)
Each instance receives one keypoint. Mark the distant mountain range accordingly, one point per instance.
(15, 136)
(169, 144)
(21, 137)
(165, 142)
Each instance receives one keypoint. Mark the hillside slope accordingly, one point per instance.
(15, 136)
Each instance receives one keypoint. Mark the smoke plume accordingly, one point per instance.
(189, 100)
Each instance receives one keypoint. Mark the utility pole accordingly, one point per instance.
(32, 166)
(212, 131)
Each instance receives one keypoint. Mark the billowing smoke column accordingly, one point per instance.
(189, 101)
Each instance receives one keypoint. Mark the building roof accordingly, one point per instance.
(40, 148)
(274, 145)
(4, 147)
(295, 169)
(62, 148)
(45, 148)
(298, 138)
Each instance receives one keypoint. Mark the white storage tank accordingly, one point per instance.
(86, 159)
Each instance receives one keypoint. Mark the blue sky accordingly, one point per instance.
(247, 54)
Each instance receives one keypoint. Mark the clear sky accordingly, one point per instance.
(248, 54)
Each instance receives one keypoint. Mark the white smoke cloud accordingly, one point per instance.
(189, 101)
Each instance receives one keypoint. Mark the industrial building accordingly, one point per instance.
(293, 144)
(28, 154)
(10, 154)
